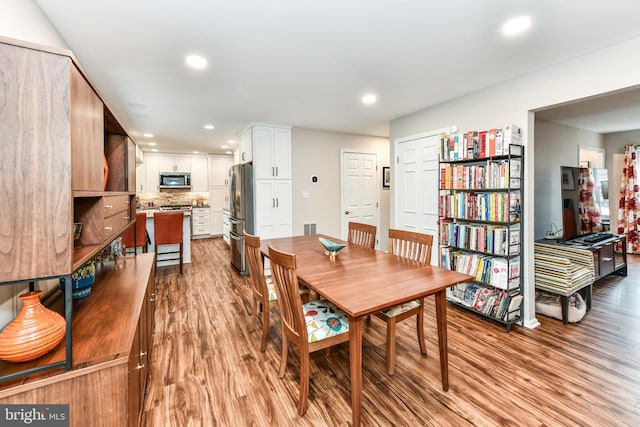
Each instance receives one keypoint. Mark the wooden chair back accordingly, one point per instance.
(256, 268)
(285, 279)
(411, 245)
(140, 233)
(167, 230)
(167, 227)
(363, 235)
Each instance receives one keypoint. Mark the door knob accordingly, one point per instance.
(347, 212)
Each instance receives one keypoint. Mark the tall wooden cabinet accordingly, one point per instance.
(58, 140)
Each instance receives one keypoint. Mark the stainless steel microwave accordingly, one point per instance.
(175, 180)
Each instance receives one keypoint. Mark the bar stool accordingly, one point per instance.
(141, 234)
(167, 230)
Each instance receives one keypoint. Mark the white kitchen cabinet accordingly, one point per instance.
(151, 174)
(271, 152)
(200, 222)
(199, 173)
(226, 226)
(219, 170)
(174, 163)
(140, 177)
(218, 200)
(244, 152)
(273, 215)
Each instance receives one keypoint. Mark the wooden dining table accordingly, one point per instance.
(363, 281)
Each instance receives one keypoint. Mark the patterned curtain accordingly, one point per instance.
(588, 209)
(629, 213)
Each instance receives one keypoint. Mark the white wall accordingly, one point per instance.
(316, 152)
(515, 101)
(556, 145)
(24, 20)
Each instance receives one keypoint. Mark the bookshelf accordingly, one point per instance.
(480, 220)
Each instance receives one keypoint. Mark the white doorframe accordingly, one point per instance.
(394, 163)
(343, 230)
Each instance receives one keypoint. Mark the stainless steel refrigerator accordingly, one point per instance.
(240, 212)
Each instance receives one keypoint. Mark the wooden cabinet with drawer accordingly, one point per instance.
(116, 210)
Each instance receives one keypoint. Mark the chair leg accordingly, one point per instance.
(391, 346)
(283, 354)
(155, 249)
(265, 326)
(180, 257)
(304, 382)
(420, 328)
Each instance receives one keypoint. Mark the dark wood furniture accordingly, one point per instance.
(59, 138)
(362, 281)
(110, 350)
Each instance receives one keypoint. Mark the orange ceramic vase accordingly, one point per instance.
(35, 331)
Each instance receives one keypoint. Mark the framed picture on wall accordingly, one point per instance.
(386, 176)
(567, 179)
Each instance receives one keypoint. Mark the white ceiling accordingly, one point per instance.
(308, 63)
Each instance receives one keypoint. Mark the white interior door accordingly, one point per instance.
(359, 189)
(416, 186)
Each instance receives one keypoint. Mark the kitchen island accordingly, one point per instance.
(186, 239)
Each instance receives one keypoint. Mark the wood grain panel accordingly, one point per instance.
(207, 368)
(34, 166)
(131, 166)
(87, 135)
(115, 149)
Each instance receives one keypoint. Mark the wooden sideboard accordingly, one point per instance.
(111, 350)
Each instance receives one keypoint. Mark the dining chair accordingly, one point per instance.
(312, 326)
(264, 293)
(416, 247)
(167, 230)
(363, 235)
(140, 234)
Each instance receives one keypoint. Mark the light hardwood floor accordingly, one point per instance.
(207, 370)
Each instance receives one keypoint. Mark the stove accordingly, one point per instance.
(183, 208)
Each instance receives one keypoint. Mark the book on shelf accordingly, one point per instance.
(505, 273)
(514, 308)
(482, 295)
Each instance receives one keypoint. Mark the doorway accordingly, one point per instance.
(416, 184)
(359, 190)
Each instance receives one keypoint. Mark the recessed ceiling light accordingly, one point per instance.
(153, 144)
(231, 141)
(228, 152)
(369, 99)
(141, 116)
(209, 127)
(196, 152)
(224, 146)
(196, 61)
(148, 135)
(137, 105)
(516, 25)
(154, 149)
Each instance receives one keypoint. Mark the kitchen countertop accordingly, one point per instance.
(152, 211)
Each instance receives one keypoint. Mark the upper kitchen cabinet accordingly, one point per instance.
(199, 173)
(151, 182)
(87, 135)
(219, 170)
(271, 152)
(244, 152)
(174, 163)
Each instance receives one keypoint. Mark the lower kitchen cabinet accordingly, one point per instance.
(110, 351)
(200, 222)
